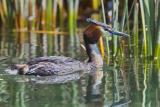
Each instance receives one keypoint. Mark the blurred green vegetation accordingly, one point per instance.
(31, 28)
(139, 18)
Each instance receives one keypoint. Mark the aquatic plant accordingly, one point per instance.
(135, 31)
(107, 38)
(41, 16)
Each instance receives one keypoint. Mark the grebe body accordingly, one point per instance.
(51, 65)
(61, 65)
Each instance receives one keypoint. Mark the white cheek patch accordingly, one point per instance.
(11, 72)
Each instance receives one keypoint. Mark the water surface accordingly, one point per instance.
(127, 83)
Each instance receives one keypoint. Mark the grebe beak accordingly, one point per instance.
(106, 27)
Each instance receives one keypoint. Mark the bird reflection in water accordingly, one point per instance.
(94, 93)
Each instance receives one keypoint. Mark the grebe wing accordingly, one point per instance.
(43, 69)
(53, 59)
(50, 68)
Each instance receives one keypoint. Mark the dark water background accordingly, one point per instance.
(124, 83)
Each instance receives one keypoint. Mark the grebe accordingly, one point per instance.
(61, 65)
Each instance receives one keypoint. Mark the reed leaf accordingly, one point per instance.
(107, 39)
(21, 13)
(43, 14)
(49, 14)
(4, 6)
(54, 14)
(71, 17)
(61, 13)
(144, 50)
(135, 30)
(30, 14)
(149, 16)
(2, 13)
(115, 25)
(95, 4)
(76, 12)
(3, 10)
(157, 38)
(122, 26)
(4, 2)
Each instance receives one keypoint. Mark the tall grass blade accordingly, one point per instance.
(76, 6)
(4, 3)
(122, 26)
(157, 24)
(49, 14)
(43, 14)
(3, 10)
(71, 16)
(107, 40)
(95, 4)
(61, 13)
(149, 16)
(115, 25)
(30, 14)
(144, 47)
(2, 17)
(135, 30)
(54, 14)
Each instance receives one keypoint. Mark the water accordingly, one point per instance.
(128, 83)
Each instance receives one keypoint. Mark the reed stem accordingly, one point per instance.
(135, 30)
(54, 14)
(115, 25)
(107, 39)
(144, 47)
(61, 13)
(71, 16)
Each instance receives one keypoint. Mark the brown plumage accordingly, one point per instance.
(92, 34)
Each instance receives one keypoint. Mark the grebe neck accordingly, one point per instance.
(94, 54)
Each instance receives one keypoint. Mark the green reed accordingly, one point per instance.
(61, 13)
(148, 25)
(123, 26)
(47, 15)
(3, 10)
(147, 7)
(104, 20)
(115, 26)
(43, 7)
(135, 30)
(157, 29)
(20, 12)
(73, 6)
(54, 14)
(72, 15)
(30, 14)
(95, 6)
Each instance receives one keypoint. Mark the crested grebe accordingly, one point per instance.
(61, 65)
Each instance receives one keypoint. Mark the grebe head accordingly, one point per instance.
(91, 36)
(20, 68)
